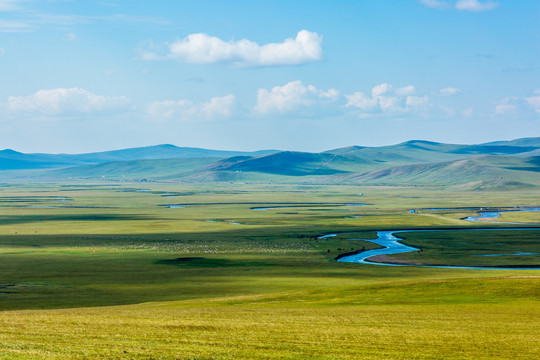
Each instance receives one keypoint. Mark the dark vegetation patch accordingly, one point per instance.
(535, 165)
(87, 186)
(32, 199)
(348, 254)
(493, 149)
(25, 219)
(202, 262)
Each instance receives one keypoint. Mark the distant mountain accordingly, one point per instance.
(517, 169)
(13, 160)
(290, 163)
(10, 159)
(420, 151)
(495, 165)
(135, 169)
(531, 141)
(165, 151)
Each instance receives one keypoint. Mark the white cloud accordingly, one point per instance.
(185, 110)
(534, 101)
(475, 5)
(71, 36)
(14, 26)
(2, 51)
(501, 109)
(222, 106)
(469, 112)
(417, 100)
(388, 103)
(204, 49)
(464, 5)
(506, 105)
(361, 101)
(435, 4)
(10, 5)
(384, 99)
(65, 102)
(523, 106)
(407, 90)
(331, 94)
(449, 91)
(291, 96)
(381, 89)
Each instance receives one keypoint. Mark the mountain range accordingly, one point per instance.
(500, 164)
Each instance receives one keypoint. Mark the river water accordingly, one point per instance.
(393, 246)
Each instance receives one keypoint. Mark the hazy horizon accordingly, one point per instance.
(248, 150)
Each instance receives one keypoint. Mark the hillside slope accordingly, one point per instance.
(504, 169)
(10, 159)
(416, 162)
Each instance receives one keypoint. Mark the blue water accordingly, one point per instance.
(393, 246)
(515, 253)
(308, 205)
(43, 207)
(327, 236)
(496, 214)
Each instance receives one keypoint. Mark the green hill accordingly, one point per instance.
(420, 151)
(135, 169)
(493, 165)
(504, 169)
(10, 159)
(14, 160)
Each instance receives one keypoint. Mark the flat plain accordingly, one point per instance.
(194, 271)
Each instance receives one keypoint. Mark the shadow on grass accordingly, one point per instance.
(26, 219)
(201, 262)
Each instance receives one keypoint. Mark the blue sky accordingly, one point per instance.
(81, 76)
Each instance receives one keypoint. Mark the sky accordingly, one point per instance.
(84, 76)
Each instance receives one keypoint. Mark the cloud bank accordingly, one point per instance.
(185, 110)
(384, 99)
(204, 49)
(64, 101)
(435, 4)
(463, 5)
(291, 100)
(9, 5)
(475, 5)
(518, 105)
(291, 96)
(449, 91)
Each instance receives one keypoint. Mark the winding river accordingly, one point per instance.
(495, 214)
(392, 245)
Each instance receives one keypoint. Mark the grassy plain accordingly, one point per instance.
(109, 270)
(474, 248)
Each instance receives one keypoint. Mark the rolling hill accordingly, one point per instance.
(10, 159)
(516, 170)
(502, 164)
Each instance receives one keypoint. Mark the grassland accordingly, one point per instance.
(108, 270)
(473, 248)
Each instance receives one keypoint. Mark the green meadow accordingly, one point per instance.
(148, 270)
